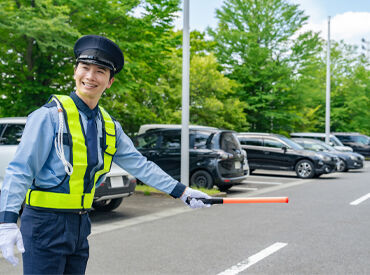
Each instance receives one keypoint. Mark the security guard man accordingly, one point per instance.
(67, 147)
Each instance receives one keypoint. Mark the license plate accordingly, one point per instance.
(116, 182)
(237, 165)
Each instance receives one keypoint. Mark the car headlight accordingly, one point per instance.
(324, 158)
(353, 157)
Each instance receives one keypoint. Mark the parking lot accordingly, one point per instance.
(322, 230)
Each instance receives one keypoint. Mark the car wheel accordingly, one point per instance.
(202, 179)
(107, 205)
(342, 167)
(305, 169)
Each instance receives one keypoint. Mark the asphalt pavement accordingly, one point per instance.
(324, 229)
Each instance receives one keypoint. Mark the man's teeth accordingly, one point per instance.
(89, 85)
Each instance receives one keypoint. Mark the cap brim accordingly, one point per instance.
(95, 62)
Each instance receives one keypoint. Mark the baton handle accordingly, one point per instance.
(241, 200)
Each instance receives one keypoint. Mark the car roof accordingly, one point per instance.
(310, 134)
(306, 139)
(16, 120)
(347, 134)
(258, 134)
(146, 127)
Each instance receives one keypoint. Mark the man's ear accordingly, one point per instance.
(110, 82)
(74, 72)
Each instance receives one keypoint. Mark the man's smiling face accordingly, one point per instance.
(91, 81)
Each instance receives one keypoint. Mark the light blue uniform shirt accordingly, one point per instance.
(36, 162)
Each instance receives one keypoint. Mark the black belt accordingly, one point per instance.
(52, 210)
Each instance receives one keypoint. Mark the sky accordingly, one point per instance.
(350, 19)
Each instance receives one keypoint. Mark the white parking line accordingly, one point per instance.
(263, 182)
(363, 198)
(102, 228)
(253, 259)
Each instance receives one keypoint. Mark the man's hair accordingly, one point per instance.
(111, 73)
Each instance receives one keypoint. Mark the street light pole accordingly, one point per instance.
(185, 96)
(327, 116)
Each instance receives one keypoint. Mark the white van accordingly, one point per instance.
(333, 140)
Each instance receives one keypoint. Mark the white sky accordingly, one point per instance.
(350, 19)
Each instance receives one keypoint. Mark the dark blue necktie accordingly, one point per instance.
(92, 142)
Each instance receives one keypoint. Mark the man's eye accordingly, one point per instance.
(101, 72)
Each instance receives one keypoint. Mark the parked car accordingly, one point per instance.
(347, 160)
(277, 152)
(333, 140)
(358, 142)
(108, 196)
(215, 156)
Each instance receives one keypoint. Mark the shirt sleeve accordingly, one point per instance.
(31, 154)
(131, 160)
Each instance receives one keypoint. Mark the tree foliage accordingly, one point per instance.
(255, 71)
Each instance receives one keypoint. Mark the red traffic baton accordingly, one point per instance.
(243, 200)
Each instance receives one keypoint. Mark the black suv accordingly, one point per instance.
(215, 156)
(276, 152)
(358, 142)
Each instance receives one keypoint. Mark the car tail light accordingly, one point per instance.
(224, 155)
(133, 180)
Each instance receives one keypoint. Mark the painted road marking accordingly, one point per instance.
(362, 199)
(263, 182)
(102, 228)
(253, 259)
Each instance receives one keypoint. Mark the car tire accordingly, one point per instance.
(305, 169)
(202, 178)
(107, 205)
(342, 166)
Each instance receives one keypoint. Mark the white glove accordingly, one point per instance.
(193, 195)
(9, 236)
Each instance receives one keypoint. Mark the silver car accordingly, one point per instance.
(108, 196)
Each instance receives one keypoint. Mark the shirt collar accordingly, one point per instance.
(83, 107)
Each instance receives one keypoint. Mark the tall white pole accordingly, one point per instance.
(327, 116)
(185, 96)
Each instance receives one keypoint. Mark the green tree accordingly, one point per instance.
(258, 45)
(37, 59)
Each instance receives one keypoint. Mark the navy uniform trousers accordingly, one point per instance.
(54, 242)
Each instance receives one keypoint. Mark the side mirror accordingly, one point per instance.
(284, 148)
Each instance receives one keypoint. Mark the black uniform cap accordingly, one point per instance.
(99, 50)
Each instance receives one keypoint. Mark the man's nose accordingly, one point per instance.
(90, 74)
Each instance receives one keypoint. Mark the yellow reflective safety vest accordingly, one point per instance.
(77, 198)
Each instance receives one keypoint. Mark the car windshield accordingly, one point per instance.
(11, 134)
(319, 146)
(291, 143)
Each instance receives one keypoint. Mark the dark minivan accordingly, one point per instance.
(358, 142)
(215, 156)
(276, 152)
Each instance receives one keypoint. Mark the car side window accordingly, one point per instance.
(251, 141)
(200, 140)
(146, 142)
(171, 142)
(12, 134)
(229, 142)
(273, 143)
